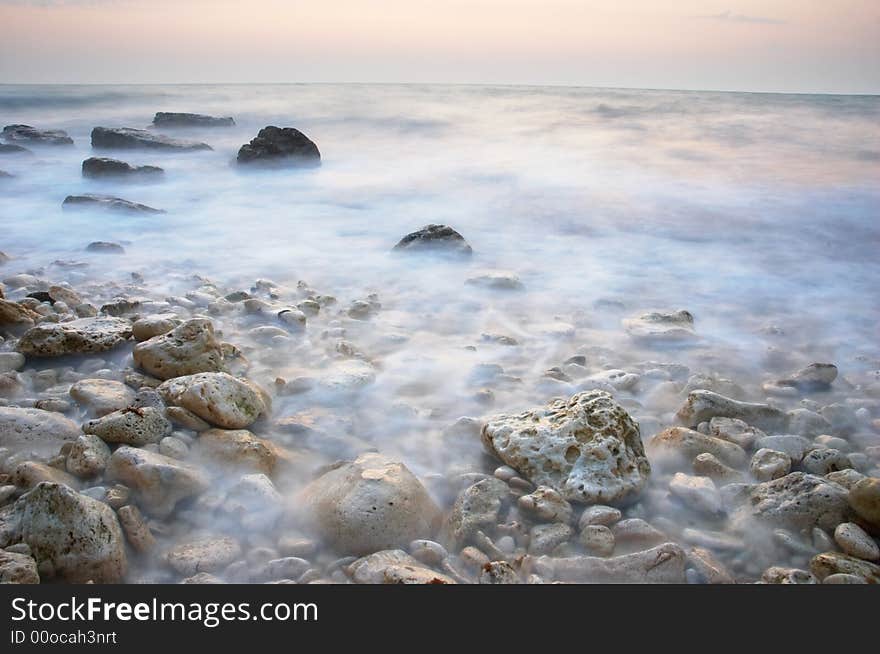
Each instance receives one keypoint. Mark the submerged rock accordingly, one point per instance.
(28, 134)
(437, 238)
(13, 148)
(88, 456)
(131, 426)
(370, 504)
(217, 397)
(797, 501)
(103, 247)
(15, 317)
(476, 508)
(280, 145)
(702, 406)
(17, 568)
(587, 448)
(663, 564)
(83, 336)
(126, 138)
(187, 349)
(106, 202)
(686, 444)
(175, 119)
(105, 167)
(864, 498)
(815, 377)
(205, 554)
(240, 449)
(394, 567)
(675, 326)
(102, 396)
(35, 430)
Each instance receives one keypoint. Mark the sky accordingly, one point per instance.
(746, 45)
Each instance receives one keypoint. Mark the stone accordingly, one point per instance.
(476, 508)
(82, 336)
(126, 138)
(280, 145)
(28, 474)
(240, 449)
(428, 552)
(797, 501)
(708, 465)
(658, 326)
(11, 361)
(99, 167)
(186, 349)
(792, 445)
(842, 578)
(679, 445)
(829, 563)
(662, 564)
(102, 396)
(204, 554)
(702, 406)
(217, 397)
(36, 430)
(107, 203)
(15, 317)
(136, 530)
(18, 568)
(823, 461)
(177, 119)
(186, 419)
(369, 504)
(735, 431)
(710, 569)
(597, 540)
(27, 134)
(769, 464)
(543, 539)
(587, 448)
(636, 534)
(787, 576)
(173, 447)
(815, 377)
(72, 537)
(498, 572)
(435, 238)
(807, 423)
(853, 540)
(697, 493)
(146, 328)
(136, 426)
(864, 498)
(12, 148)
(87, 457)
(103, 247)
(599, 515)
(497, 281)
(258, 505)
(159, 481)
(394, 567)
(545, 505)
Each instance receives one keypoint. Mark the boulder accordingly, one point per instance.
(435, 238)
(186, 349)
(217, 397)
(106, 202)
(280, 145)
(126, 138)
(370, 504)
(664, 564)
(82, 336)
(702, 406)
(35, 430)
(97, 167)
(28, 134)
(159, 481)
(587, 448)
(175, 119)
(797, 501)
(102, 396)
(72, 536)
(136, 426)
(675, 326)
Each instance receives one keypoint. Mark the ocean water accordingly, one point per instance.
(758, 213)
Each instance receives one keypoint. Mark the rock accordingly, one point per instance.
(769, 464)
(136, 426)
(655, 326)
(43, 432)
(64, 294)
(28, 134)
(710, 569)
(476, 508)
(11, 361)
(240, 448)
(829, 563)
(697, 493)
(662, 564)
(82, 336)
(144, 329)
(102, 396)
(186, 419)
(107, 202)
(18, 568)
(428, 552)
(97, 167)
(72, 537)
(254, 500)
(497, 281)
(217, 397)
(498, 572)
(678, 443)
(794, 446)
(853, 540)
(31, 473)
(545, 505)
(864, 498)
(186, 349)
(787, 576)
(735, 431)
(173, 447)
(15, 317)
(543, 539)
(708, 465)
(842, 578)
(823, 461)
(370, 504)
(12, 148)
(174, 119)
(436, 238)
(136, 530)
(206, 554)
(599, 515)
(280, 145)
(702, 406)
(159, 481)
(587, 448)
(289, 567)
(597, 540)
(797, 501)
(807, 423)
(102, 247)
(126, 138)
(88, 456)
(815, 377)
(394, 567)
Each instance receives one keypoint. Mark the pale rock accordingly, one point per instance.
(864, 498)
(476, 508)
(43, 432)
(149, 327)
(18, 568)
(102, 396)
(88, 456)
(708, 465)
(130, 426)
(187, 349)
(597, 540)
(498, 572)
(676, 326)
(599, 514)
(543, 539)
(394, 567)
(217, 397)
(797, 501)
(702, 406)
(81, 336)
(709, 568)
(787, 576)
(853, 540)
(545, 505)
(31, 473)
(662, 564)
(807, 423)
(678, 443)
(822, 461)
(697, 493)
(136, 530)
(735, 431)
(11, 361)
(240, 449)
(829, 563)
(792, 445)
(769, 464)
(203, 554)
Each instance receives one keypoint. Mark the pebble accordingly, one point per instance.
(769, 464)
(597, 539)
(599, 514)
(853, 540)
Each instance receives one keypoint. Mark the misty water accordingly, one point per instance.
(757, 213)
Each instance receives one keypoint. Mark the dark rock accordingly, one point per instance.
(104, 167)
(90, 200)
(173, 119)
(280, 145)
(13, 148)
(103, 247)
(28, 134)
(4, 174)
(440, 238)
(127, 138)
(42, 296)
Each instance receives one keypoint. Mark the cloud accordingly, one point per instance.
(730, 17)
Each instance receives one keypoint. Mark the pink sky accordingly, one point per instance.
(768, 45)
